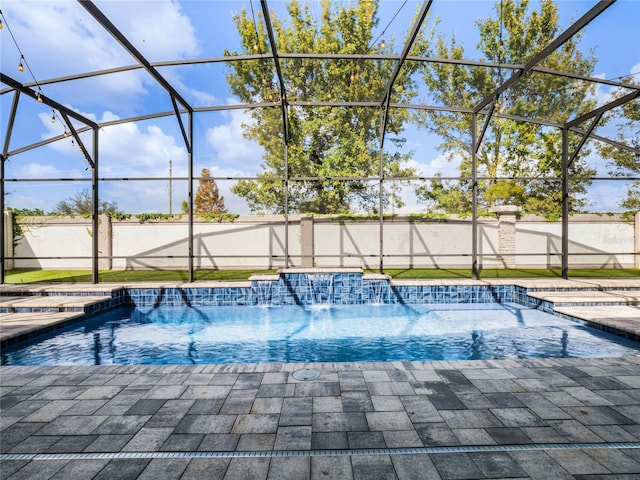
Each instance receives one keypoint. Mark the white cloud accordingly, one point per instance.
(125, 149)
(230, 146)
(59, 38)
(437, 164)
(157, 29)
(39, 170)
(68, 33)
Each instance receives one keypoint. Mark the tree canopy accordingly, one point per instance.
(208, 199)
(328, 147)
(81, 204)
(512, 152)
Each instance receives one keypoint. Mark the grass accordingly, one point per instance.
(126, 276)
(122, 276)
(419, 273)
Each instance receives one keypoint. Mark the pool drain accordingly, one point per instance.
(306, 374)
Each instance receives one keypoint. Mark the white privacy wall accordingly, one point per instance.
(258, 242)
(50, 244)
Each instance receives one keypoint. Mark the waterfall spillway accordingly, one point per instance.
(320, 288)
(263, 292)
(379, 292)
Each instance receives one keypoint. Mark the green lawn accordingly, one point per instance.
(122, 276)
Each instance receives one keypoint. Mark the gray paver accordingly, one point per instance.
(244, 468)
(256, 441)
(293, 438)
(615, 460)
(577, 462)
(289, 468)
(80, 469)
(369, 467)
(346, 422)
(410, 467)
(267, 423)
(436, 434)
(39, 470)
(209, 468)
(219, 442)
(121, 469)
(497, 465)
(166, 469)
(358, 440)
(470, 418)
(108, 443)
(73, 425)
(185, 442)
(539, 465)
(35, 444)
(205, 424)
(71, 444)
(331, 468)
(456, 466)
(402, 439)
(148, 440)
(329, 440)
(356, 402)
(380, 421)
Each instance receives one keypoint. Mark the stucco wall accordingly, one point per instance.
(259, 242)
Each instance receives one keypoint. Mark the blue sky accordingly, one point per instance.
(59, 38)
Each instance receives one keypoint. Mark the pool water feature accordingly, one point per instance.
(318, 333)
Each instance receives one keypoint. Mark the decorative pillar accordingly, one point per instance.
(8, 240)
(507, 216)
(105, 242)
(637, 236)
(306, 239)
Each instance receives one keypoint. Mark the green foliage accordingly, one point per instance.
(324, 142)
(514, 35)
(119, 216)
(81, 204)
(156, 217)
(208, 199)
(17, 214)
(218, 217)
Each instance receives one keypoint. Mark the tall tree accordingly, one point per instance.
(514, 35)
(624, 162)
(324, 142)
(80, 204)
(208, 199)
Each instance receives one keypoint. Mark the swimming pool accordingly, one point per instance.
(317, 333)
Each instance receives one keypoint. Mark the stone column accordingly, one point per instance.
(637, 235)
(306, 239)
(506, 234)
(8, 239)
(105, 244)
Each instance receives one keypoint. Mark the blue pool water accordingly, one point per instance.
(336, 333)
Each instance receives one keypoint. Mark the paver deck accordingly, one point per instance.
(535, 418)
(546, 419)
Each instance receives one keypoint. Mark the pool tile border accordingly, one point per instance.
(300, 287)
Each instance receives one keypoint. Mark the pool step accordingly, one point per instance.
(622, 318)
(55, 303)
(588, 298)
(18, 326)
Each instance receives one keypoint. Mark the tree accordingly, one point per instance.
(324, 142)
(623, 162)
(80, 204)
(208, 199)
(510, 149)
